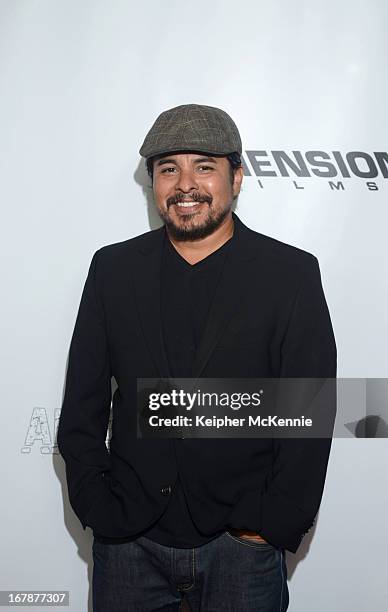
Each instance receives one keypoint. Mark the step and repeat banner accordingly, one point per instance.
(80, 85)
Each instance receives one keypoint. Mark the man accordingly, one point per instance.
(202, 296)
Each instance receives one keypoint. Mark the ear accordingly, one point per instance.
(238, 177)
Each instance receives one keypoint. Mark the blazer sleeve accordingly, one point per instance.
(285, 508)
(85, 411)
(294, 489)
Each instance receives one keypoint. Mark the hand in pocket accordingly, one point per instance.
(248, 535)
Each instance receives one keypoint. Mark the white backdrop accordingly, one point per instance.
(81, 82)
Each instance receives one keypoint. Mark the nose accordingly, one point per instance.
(186, 180)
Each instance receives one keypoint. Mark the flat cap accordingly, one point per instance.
(192, 127)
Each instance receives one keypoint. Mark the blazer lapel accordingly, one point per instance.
(229, 293)
(147, 293)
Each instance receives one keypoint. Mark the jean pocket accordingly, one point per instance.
(251, 542)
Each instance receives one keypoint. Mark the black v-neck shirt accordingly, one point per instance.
(187, 291)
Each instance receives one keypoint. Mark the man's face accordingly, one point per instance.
(194, 193)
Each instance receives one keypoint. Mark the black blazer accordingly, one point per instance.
(269, 318)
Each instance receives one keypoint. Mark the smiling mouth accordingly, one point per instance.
(188, 204)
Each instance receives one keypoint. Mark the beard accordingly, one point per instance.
(188, 230)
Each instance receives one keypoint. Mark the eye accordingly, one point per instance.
(206, 167)
(169, 168)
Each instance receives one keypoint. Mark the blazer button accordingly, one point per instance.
(166, 490)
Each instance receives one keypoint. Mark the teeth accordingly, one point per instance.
(187, 204)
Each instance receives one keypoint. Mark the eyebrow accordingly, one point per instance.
(196, 161)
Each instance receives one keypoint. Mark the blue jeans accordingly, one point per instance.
(228, 573)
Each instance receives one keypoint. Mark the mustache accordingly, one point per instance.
(196, 197)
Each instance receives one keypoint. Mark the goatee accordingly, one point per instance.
(194, 232)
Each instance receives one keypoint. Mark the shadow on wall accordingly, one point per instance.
(372, 426)
(142, 178)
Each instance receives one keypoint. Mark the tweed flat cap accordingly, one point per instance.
(192, 127)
